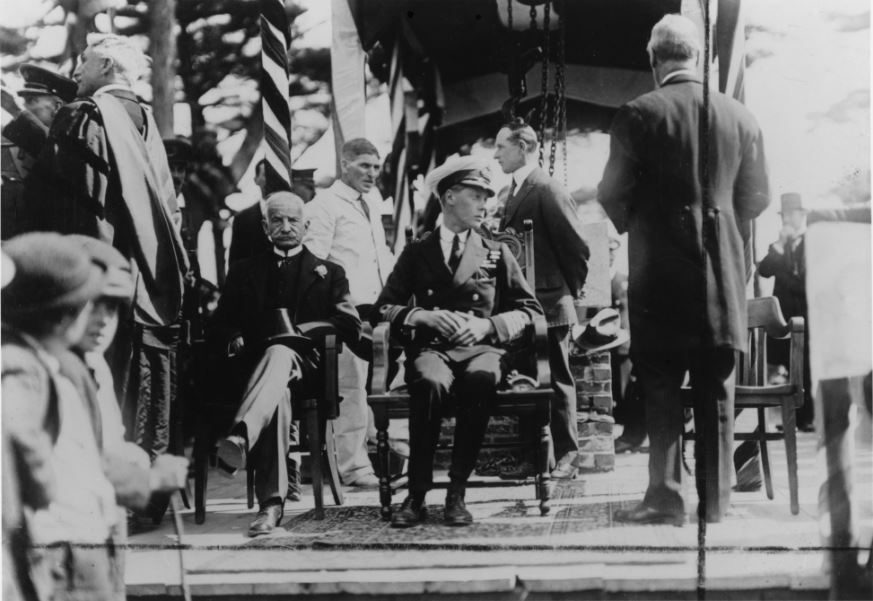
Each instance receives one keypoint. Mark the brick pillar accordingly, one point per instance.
(593, 374)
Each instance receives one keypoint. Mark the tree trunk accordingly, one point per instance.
(162, 33)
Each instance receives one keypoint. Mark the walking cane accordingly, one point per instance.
(176, 506)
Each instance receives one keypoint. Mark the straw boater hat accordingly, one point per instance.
(51, 272)
(465, 171)
(603, 332)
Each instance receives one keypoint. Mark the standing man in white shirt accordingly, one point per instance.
(346, 227)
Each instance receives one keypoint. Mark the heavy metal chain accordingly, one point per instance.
(544, 88)
(561, 120)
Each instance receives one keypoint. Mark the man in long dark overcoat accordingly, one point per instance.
(688, 221)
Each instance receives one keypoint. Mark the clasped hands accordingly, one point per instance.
(457, 328)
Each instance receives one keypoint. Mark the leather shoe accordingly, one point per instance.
(413, 511)
(293, 493)
(231, 454)
(643, 514)
(268, 518)
(627, 445)
(522, 471)
(456, 513)
(566, 467)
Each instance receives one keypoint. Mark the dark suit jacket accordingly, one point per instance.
(789, 270)
(248, 238)
(684, 294)
(242, 305)
(560, 254)
(487, 283)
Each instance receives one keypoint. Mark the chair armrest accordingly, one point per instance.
(381, 358)
(541, 351)
(796, 353)
(330, 369)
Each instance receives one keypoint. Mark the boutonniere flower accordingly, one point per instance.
(321, 270)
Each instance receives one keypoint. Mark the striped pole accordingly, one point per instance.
(275, 43)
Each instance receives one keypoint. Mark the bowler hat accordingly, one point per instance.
(38, 80)
(118, 280)
(603, 332)
(51, 272)
(791, 201)
(460, 171)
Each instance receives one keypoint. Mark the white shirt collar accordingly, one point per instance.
(447, 235)
(287, 254)
(520, 174)
(677, 73)
(113, 86)
(345, 191)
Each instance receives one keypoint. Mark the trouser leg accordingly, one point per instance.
(475, 388)
(350, 428)
(270, 455)
(266, 388)
(429, 378)
(712, 384)
(565, 433)
(635, 411)
(660, 378)
(148, 367)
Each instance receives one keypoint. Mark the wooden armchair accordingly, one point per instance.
(753, 391)
(520, 399)
(314, 405)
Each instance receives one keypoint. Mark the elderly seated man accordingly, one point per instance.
(311, 291)
(470, 300)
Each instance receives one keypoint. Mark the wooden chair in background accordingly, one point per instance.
(754, 392)
(314, 404)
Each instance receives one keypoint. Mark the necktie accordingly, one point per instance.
(455, 254)
(364, 207)
(511, 189)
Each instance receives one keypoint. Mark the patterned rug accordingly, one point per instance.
(506, 518)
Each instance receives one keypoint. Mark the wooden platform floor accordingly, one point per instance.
(759, 551)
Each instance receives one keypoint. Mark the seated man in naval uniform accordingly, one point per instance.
(470, 300)
(312, 291)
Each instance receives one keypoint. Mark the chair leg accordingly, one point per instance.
(383, 459)
(544, 477)
(765, 453)
(313, 433)
(201, 471)
(336, 488)
(789, 430)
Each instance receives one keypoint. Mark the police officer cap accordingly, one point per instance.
(42, 81)
(460, 171)
(179, 150)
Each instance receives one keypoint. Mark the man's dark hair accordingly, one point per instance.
(358, 146)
